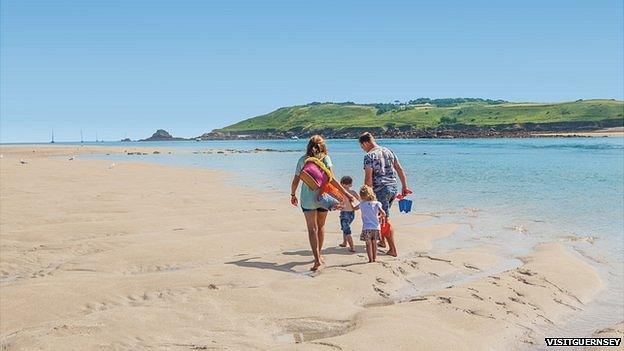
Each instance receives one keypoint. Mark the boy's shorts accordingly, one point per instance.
(369, 234)
(346, 218)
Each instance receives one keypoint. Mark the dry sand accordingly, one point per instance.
(142, 256)
(617, 132)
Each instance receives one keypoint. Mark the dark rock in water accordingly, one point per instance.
(126, 140)
(161, 135)
(156, 152)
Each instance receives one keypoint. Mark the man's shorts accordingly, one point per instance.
(386, 196)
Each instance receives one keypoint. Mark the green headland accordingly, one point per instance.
(430, 117)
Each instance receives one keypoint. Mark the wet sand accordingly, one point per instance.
(133, 256)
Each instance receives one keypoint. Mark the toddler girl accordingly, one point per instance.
(371, 211)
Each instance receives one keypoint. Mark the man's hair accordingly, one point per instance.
(366, 138)
(346, 180)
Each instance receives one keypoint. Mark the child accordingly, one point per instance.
(371, 211)
(347, 214)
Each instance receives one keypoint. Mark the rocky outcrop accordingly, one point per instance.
(162, 135)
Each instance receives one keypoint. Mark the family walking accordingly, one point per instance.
(321, 192)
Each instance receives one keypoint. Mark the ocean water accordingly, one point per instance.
(543, 188)
(512, 193)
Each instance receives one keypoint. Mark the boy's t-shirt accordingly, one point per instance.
(370, 211)
(307, 198)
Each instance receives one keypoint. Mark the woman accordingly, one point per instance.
(315, 214)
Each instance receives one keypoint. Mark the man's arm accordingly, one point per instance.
(399, 169)
(368, 176)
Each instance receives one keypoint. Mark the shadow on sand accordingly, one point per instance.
(327, 251)
(290, 266)
(286, 267)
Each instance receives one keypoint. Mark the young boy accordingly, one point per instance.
(347, 214)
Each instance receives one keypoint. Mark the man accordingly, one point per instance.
(381, 167)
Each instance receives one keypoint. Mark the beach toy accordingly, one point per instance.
(385, 228)
(314, 173)
(329, 188)
(327, 201)
(405, 205)
(318, 177)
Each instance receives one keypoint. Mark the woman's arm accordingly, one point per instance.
(344, 191)
(337, 184)
(293, 189)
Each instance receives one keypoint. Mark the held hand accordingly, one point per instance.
(294, 201)
(382, 219)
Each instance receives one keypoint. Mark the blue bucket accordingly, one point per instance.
(405, 205)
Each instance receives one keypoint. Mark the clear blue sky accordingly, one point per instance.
(132, 66)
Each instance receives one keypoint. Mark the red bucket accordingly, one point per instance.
(385, 228)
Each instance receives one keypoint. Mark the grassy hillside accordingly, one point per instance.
(339, 116)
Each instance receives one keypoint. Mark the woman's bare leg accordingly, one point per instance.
(311, 221)
(320, 229)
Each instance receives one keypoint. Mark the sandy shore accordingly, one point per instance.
(617, 132)
(140, 256)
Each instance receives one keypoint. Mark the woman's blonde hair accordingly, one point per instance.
(367, 193)
(316, 147)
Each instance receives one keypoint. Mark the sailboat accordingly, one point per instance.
(52, 141)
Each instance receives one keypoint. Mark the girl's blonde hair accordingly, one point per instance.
(316, 147)
(367, 193)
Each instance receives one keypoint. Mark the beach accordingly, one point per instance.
(616, 132)
(97, 255)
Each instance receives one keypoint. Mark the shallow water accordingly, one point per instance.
(546, 188)
(512, 193)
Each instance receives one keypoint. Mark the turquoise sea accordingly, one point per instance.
(512, 193)
(542, 188)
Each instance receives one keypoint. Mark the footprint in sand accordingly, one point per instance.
(297, 330)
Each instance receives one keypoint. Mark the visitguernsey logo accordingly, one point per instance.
(583, 341)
